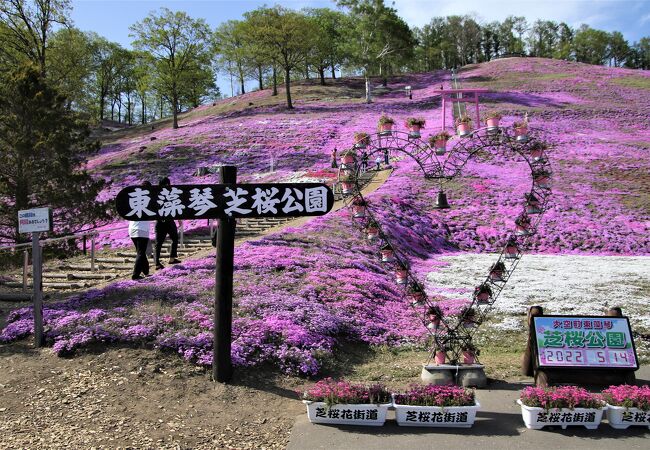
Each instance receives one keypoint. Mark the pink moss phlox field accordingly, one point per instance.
(302, 292)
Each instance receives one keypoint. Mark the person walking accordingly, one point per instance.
(334, 164)
(378, 160)
(166, 227)
(386, 160)
(364, 162)
(139, 234)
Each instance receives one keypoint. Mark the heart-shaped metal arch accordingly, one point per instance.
(451, 334)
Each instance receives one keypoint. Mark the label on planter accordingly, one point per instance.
(435, 417)
(585, 341)
(346, 414)
(566, 417)
(636, 417)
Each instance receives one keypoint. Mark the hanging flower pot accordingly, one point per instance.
(497, 271)
(385, 125)
(483, 294)
(387, 253)
(440, 357)
(439, 142)
(537, 152)
(492, 120)
(464, 126)
(348, 157)
(416, 295)
(372, 231)
(361, 140)
(348, 185)
(542, 178)
(414, 125)
(521, 131)
(401, 275)
(511, 251)
(434, 317)
(469, 318)
(533, 205)
(523, 226)
(359, 208)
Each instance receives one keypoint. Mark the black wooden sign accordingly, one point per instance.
(214, 201)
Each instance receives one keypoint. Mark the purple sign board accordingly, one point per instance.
(585, 342)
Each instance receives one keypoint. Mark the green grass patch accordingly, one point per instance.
(631, 81)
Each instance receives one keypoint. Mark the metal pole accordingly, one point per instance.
(221, 360)
(444, 111)
(85, 245)
(37, 266)
(92, 254)
(25, 265)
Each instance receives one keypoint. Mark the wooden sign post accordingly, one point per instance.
(225, 202)
(36, 221)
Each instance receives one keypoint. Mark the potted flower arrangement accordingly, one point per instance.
(435, 406)
(439, 142)
(440, 355)
(434, 316)
(372, 230)
(387, 253)
(464, 125)
(483, 293)
(560, 406)
(385, 125)
(542, 178)
(359, 207)
(512, 250)
(347, 183)
(348, 157)
(339, 402)
(537, 152)
(497, 271)
(627, 405)
(415, 125)
(470, 352)
(533, 205)
(521, 130)
(469, 317)
(401, 274)
(361, 140)
(523, 225)
(492, 119)
(416, 294)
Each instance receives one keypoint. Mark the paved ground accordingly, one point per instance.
(498, 426)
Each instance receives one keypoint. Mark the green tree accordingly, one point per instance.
(70, 66)
(564, 47)
(43, 146)
(326, 52)
(178, 45)
(286, 36)
(619, 49)
(30, 24)
(591, 46)
(230, 44)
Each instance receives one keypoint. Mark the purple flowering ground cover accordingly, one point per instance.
(302, 292)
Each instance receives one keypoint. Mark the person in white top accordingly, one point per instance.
(139, 234)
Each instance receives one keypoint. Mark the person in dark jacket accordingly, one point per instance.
(166, 227)
(139, 234)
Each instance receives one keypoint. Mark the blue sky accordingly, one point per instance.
(112, 18)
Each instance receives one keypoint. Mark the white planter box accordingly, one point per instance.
(434, 416)
(537, 418)
(347, 414)
(620, 417)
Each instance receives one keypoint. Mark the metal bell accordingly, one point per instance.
(441, 202)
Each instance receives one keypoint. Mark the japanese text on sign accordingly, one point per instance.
(34, 220)
(220, 201)
(585, 342)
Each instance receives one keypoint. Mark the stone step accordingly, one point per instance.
(56, 275)
(124, 267)
(15, 284)
(65, 285)
(115, 260)
(91, 276)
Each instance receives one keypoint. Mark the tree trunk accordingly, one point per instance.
(161, 106)
(287, 84)
(333, 72)
(241, 83)
(306, 71)
(175, 106)
(275, 81)
(368, 96)
(321, 73)
(259, 77)
(144, 110)
(102, 104)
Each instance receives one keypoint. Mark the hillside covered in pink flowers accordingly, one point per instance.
(302, 292)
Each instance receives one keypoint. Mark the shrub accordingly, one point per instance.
(334, 392)
(560, 397)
